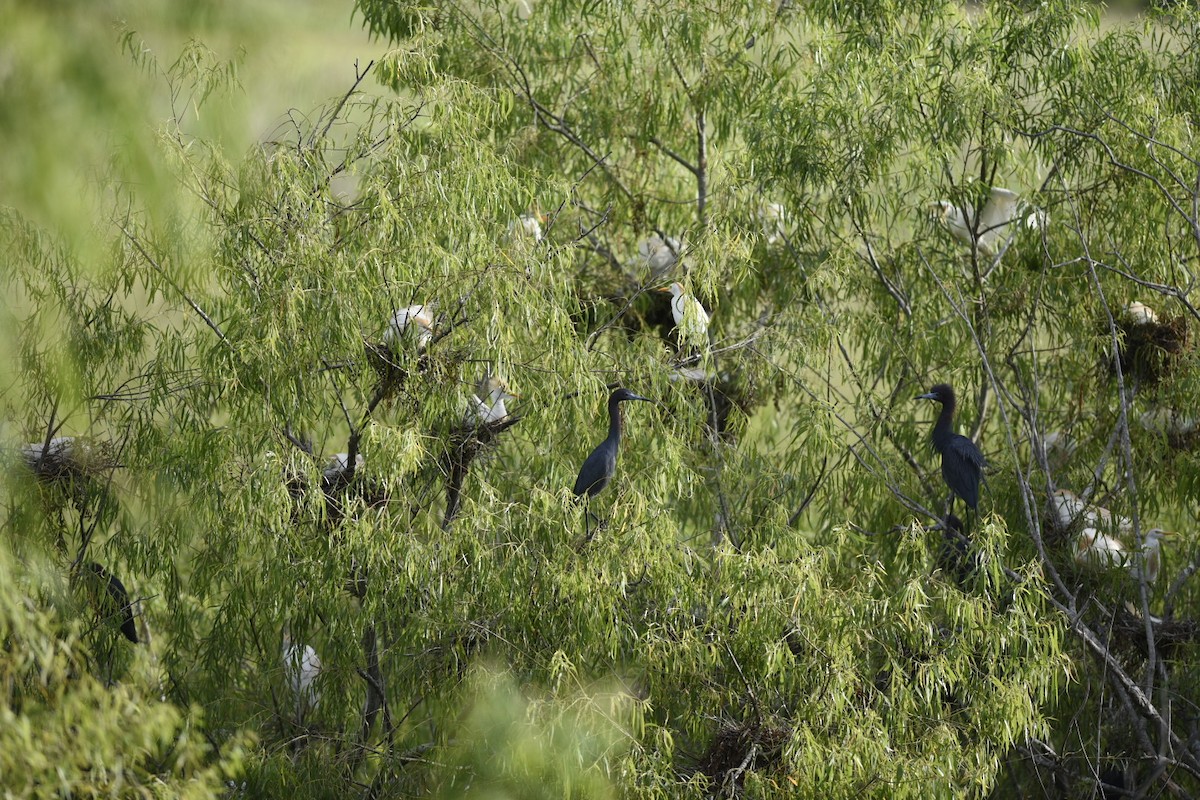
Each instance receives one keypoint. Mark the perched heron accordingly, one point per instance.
(690, 317)
(1105, 551)
(1002, 209)
(962, 460)
(599, 467)
(660, 254)
(772, 218)
(116, 604)
(301, 665)
(417, 317)
(1149, 564)
(493, 408)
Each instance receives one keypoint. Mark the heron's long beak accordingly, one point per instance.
(639, 397)
(926, 396)
(663, 289)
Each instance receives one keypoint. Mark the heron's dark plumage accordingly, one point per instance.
(119, 600)
(599, 467)
(962, 460)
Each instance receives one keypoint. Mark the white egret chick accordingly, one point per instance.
(659, 254)
(691, 320)
(772, 217)
(301, 665)
(1002, 208)
(416, 317)
(1140, 314)
(492, 408)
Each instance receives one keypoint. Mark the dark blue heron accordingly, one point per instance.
(962, 460)
(117, 602)
(599, 467)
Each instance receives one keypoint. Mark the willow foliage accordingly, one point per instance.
(761, 605)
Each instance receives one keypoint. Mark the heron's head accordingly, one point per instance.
(1157, 535)
(624, 394)
(943, 210)
(942, 393)
(675, 289)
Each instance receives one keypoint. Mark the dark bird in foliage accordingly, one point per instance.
(955, 557)
(962, 460)
(116, 604)
(599, 467)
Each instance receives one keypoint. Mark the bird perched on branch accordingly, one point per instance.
(691, 320)
(527, 226)
(996, 219)
(416, 318)
(600, 466)
(962, 460)
(1106, 551)
(108, 596)
(301, 665)
(492, 407)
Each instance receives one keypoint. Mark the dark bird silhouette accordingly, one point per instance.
(962, 460)
(599, 467)
(117, 602)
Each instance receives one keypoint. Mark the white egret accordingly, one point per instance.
(301, 665)
(1069, 507)
(1104, 551)
(1149, 563)
(416, 317)
(660, 254)
(1140, 314)
(691, 319)
(492, 408)
(1096, 549)
(1003, 207)
(526, 226)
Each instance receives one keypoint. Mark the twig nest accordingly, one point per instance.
(65, 457)
(739, 747)
(1150, 345)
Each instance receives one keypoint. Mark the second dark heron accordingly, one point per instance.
(599, 467)
(115, 601)
(962, 460)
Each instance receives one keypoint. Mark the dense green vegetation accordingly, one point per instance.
(762, 605)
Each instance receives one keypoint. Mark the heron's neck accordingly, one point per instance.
(614, 420)
(945, 420)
